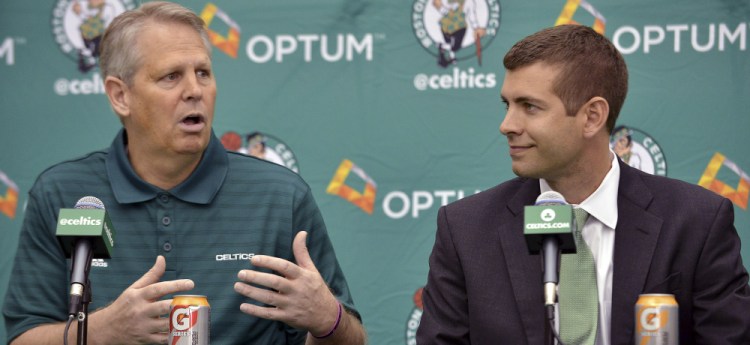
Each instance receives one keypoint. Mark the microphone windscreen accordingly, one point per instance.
(550, 197)
(88, 202)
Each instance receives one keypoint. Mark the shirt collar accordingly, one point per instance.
(200, 187)
(602, 204)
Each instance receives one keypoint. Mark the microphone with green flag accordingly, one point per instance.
(85, 232)
(548, 229)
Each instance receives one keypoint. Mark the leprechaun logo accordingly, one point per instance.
(78, 26)
(639, 150)
(261, 145)
(448, 29)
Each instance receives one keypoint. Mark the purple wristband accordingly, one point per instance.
(335, 325)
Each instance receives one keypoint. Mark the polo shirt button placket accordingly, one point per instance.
(166, 245)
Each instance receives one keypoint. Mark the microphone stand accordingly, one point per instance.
(550, 255)
(83, 315)
(549, 339)
(80, 291)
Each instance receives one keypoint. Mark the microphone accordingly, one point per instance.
(84, 232)
(548, 227)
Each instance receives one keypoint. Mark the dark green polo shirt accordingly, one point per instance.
(231, 207)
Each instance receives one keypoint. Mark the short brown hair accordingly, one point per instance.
(119, 54)
(590, 66)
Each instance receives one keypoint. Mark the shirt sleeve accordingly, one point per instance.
(37, 294)
(308, 217)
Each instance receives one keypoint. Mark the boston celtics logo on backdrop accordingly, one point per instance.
(414, 318)
(261, 145)
(639, 150)
(455, 30)
(78, 26)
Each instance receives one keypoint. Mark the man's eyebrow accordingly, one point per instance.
(528, 100)
(523, 99)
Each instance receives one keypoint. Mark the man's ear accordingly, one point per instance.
(118, 94)
(596, 112)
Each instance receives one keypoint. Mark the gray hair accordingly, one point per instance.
(119, 53)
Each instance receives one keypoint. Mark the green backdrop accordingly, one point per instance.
(351, 95)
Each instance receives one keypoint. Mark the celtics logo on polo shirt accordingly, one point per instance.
(639, 150)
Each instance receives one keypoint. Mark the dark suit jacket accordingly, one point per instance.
(671, 237)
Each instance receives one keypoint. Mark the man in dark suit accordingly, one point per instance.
(563, 89)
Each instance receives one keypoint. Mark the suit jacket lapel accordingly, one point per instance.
(636, 234)
(525, 270)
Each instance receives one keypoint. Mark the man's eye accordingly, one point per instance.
(171, 76)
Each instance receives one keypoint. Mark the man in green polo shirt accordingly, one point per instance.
(177, 197)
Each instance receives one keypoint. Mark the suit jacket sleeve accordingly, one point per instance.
(721, 297)
(445, 317)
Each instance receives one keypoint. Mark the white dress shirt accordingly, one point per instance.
(599, 234)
